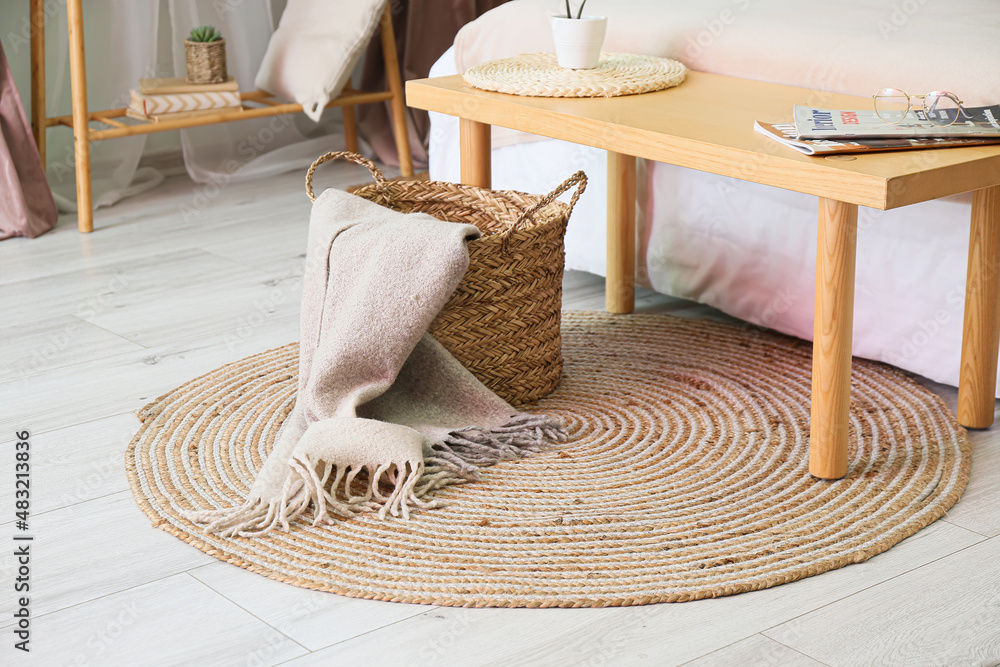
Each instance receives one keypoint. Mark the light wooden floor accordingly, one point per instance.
(95, 326)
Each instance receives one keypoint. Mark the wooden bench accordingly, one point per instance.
(706, 123)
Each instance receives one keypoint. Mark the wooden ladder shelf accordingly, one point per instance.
(256, 104)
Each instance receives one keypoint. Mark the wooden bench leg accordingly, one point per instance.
(81, 116)
(832, 332)
(619, 290)
(474, 138)
(981, 330)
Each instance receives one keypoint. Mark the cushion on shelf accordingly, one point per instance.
(315, 48)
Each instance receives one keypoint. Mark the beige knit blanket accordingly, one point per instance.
(384, 415)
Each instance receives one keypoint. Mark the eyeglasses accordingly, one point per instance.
(940, 106)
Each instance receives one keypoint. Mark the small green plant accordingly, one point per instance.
(579, 13)
(204, 33)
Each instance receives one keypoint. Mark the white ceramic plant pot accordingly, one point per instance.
(579, 41)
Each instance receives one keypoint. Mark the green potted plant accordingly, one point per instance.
(579, 38)
(205, 55)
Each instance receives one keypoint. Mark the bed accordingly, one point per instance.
(748, 249)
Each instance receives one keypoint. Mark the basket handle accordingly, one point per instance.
(579, 179)
(350, 156)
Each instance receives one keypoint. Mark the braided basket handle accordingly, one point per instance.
(579, 179)
(350, 157)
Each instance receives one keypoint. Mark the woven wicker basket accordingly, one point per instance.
(502, 322)
(206, 61)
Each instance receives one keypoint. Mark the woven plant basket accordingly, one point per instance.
(206, 61)
(502, 321)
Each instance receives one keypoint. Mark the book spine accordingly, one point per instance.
(137, 102)
(173, 103)
(137, 115)
(178, 85)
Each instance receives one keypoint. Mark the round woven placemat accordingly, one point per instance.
(685, 477)
(539, 75)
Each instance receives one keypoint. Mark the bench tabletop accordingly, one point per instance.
(706, 123)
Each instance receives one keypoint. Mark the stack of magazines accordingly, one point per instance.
(830, 131)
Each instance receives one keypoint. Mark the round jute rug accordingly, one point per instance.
(685, 477)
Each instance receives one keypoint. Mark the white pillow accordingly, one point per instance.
(313, 52)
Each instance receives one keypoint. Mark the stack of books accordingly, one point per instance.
(166, 99)
(831, 131)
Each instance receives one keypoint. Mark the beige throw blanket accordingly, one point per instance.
(376, 392)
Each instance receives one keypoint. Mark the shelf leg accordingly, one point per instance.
(833, 324)
(981, 331)
(619, 290)
(81, 124)
(398, 100)
(350, 128)
(38, 115)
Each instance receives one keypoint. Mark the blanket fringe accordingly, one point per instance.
(465, 451)
(256, 516)
(329, 488)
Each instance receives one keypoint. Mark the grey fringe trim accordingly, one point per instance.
(454, 461)
(466, 450)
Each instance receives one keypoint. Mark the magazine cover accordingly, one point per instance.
(813, 123)
(787, 134)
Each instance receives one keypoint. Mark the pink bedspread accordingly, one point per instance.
(854, 47)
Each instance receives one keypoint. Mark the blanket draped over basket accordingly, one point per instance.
(384, 414)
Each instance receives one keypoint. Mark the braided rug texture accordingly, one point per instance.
(539, 75)
(685, 477)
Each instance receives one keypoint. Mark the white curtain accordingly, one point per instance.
(253, 148)
(122, 38)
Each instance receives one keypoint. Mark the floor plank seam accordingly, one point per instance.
(237, 604)
(35, 434)
(743, 639)
(957, 525)
(25, 376)
(247, 265)
(216, 338)
(64, 507)
(878, 583)
(368, 632)
(114, 264)
(113, 333)
(35, 617)
(719, 649)
(803, 653)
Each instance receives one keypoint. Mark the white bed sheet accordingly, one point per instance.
(750, 250)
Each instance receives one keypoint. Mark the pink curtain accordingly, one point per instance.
(26, 204)
(424, 30)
